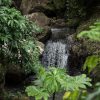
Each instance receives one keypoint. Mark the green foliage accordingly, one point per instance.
(75, 8)
(5, 2)
(77, 82)
(93, 33)
(96, 94)
(17, 43)
(54, 80)
(37, 92)
(91, 62)
(75, 95)
(83, 94)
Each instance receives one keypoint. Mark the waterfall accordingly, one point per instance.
(55, 54)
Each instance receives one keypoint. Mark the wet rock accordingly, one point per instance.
(57, 22)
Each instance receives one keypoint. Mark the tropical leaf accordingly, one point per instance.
(91, 62)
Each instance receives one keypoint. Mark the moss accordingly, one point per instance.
(73, 22)
(59, 4)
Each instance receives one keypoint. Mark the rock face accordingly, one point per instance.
(27, 5)
(2, 80)
(81, 48)
(43, 21)
(40, 18)
(46, 6)
(14, 75)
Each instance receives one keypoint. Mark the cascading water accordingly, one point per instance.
(55, 52)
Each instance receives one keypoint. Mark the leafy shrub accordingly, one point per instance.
(5, 2)
(17, 41)
(54, 80)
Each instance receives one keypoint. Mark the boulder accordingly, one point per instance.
(27, 5)
(43, 21)
(40, 18)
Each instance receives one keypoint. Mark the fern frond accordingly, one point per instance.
(93, 33)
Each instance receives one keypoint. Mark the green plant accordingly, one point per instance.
(96, 94)
(93, 33)
(54, 80)
(91, 62)
(83, 94)
(75, 95)
(5, 2)
(17, 43)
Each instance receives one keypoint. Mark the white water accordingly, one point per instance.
(55, 54)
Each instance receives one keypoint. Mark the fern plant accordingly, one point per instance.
(54, 80)
(93, 33)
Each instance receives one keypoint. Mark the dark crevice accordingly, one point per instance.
(13, 80)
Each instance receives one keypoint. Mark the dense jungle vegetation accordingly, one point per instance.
(26, 23)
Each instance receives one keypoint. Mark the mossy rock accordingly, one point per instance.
(84, 46)
(74, 22)
(59, 4)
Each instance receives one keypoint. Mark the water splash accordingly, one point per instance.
(55, 54)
